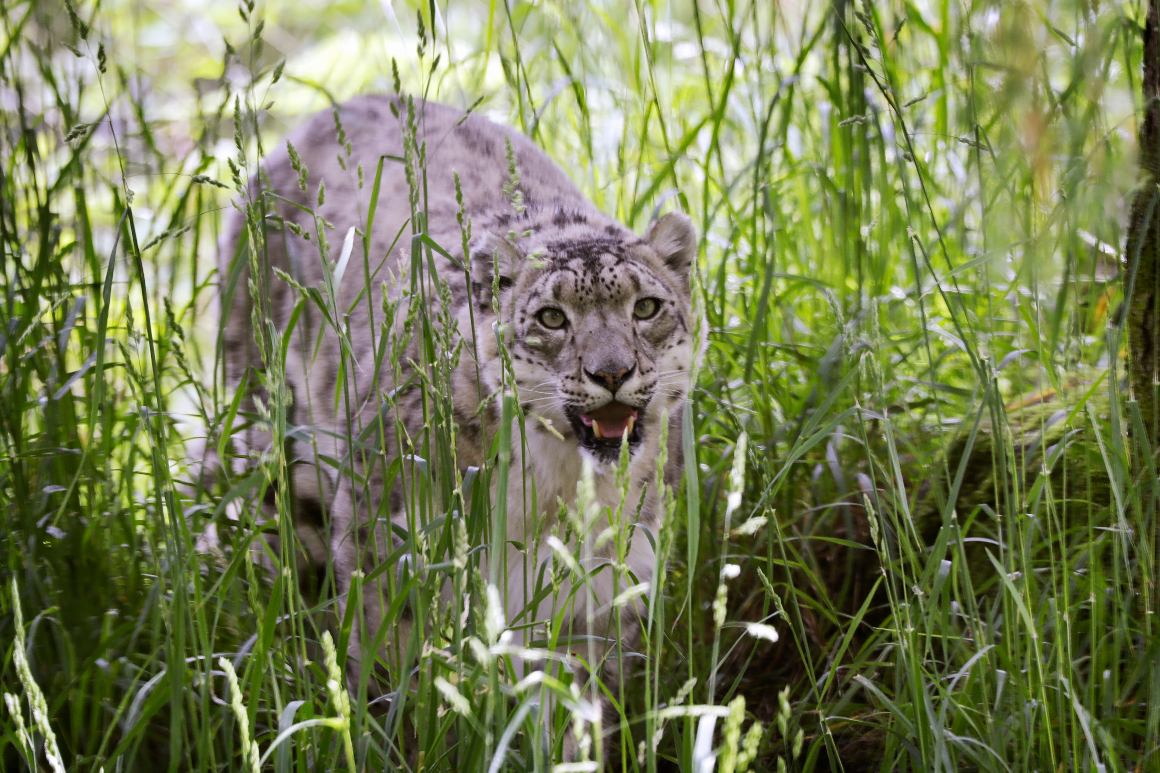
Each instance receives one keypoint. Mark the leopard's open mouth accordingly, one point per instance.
(603, 429)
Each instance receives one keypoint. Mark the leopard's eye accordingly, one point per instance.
(646, 308)
(553, 319)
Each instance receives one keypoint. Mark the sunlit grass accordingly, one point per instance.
(911, 270)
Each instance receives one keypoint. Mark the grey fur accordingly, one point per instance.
(561, 252)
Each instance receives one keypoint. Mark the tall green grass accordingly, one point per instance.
(911, 269)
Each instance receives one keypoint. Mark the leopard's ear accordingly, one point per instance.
(675, 240)
(495, 263)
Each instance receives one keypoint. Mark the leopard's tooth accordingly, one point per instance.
(631, 423)
(596, 429)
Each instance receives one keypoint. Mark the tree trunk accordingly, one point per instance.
(1143, 247)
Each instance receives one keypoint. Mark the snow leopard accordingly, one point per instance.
(591, 329)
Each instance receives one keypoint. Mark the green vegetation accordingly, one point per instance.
(911, 269)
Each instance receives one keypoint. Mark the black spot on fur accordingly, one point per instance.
(395, 500)
(588, 250)
(309, 511)
(490, 416)
(468, 427)
(475, 141)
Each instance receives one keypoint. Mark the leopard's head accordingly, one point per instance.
(599, 323)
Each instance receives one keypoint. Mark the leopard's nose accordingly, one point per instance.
(611, 379)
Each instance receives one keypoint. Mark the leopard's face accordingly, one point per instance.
(602, 338)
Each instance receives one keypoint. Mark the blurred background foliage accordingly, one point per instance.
(912, 268)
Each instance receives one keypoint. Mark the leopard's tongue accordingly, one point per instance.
(611, 421)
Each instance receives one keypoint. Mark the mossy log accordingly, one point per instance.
(1038, 458)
